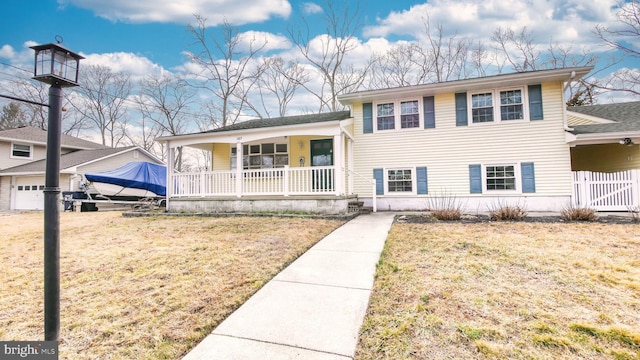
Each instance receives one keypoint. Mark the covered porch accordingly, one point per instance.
(291, 164)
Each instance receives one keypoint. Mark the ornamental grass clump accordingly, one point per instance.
(445, 207)
(574, 213)
(503, 212)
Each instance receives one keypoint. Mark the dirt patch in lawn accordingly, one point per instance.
(142, 288)
(506, 290)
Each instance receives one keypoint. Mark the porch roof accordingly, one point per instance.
(625, 116)
(614, 122)
(312, 124)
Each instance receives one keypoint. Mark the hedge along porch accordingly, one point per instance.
(288, 164)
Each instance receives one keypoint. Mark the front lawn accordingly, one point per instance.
(142, 288)
(506, 291)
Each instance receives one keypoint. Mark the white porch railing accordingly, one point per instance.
(278, 181)
(619, 191)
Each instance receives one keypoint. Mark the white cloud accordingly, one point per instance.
(7, 52)
(121, 62)
(271, 41)
(561, 21)
(236, 12)
(311, 8)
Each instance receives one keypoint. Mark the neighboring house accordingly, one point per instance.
(22, 174)
(482, 142)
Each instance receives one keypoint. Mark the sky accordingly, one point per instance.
(142, 36)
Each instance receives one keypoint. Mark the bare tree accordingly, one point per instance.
(228, 69)
(625, 37)
(281, 80)
(12, 116)
(518, 48)
(164, 103)
(102, 102)
(327, 53)
(444, 58)
(396, 67)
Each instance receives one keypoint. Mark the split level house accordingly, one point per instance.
(482, 142)
(23, 160)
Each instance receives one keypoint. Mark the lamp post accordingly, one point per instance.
(58, 67)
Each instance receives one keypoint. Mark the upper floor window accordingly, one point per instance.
(385, 117)
(21, 151)
(499, 105)
(389, 118)
(409, 114)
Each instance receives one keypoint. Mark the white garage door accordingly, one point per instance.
(29, 195)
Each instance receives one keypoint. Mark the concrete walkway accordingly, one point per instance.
(314, 308)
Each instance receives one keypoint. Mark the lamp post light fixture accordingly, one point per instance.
(58, 67)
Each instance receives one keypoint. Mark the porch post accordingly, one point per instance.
(350, 165)
(338, 160)
(239, 167)
(169, 191)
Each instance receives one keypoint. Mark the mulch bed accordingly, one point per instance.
(427, 218)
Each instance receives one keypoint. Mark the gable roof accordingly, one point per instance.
(284, 121)
(68, 160)
(34, 135)
(625, 117)
(471, 84)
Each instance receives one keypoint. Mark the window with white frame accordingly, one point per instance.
(511, 107)
(398, 115)
(399, 180)
(385, 117)
(21, 151)
(409, 114)
(497, 105)
(261, 156)
(500, 177)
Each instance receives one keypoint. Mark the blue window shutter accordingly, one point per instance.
(528, 177)
(378, 175)
(421, 176)
(535, 102)
(461, 109)
(367, 118)
(429, 112)
(475, 179)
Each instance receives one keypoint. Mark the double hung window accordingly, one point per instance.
(398, 115)
(499, 105)
(500, 177)
(399, 180)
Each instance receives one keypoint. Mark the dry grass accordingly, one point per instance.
(142, 288)
(506, 291)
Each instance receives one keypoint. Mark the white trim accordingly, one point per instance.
(414, 181)
(30, 157)
(516, 174)
(397, 106)
(495, 98)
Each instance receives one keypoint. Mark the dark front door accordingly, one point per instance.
(322, 155)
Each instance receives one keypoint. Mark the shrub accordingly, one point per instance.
(445, 207)
(503, 212)
(573, 213)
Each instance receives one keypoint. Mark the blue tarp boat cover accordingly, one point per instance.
(137, 175)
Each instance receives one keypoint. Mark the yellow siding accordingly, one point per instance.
(448, 150)
(576, 120)
(605, 157)
(296, 151)
(220, 157)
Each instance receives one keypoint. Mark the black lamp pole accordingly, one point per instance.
(52, 217)
(59, 67)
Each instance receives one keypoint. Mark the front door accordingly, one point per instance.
(322, 155)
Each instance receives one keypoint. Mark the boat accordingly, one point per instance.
(132, 181)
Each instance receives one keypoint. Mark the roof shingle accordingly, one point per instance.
(68, 160)
(626, 116)
(36, 135)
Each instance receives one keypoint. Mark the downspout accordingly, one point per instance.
(564, 102)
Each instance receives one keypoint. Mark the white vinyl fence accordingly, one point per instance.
(619, 191)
